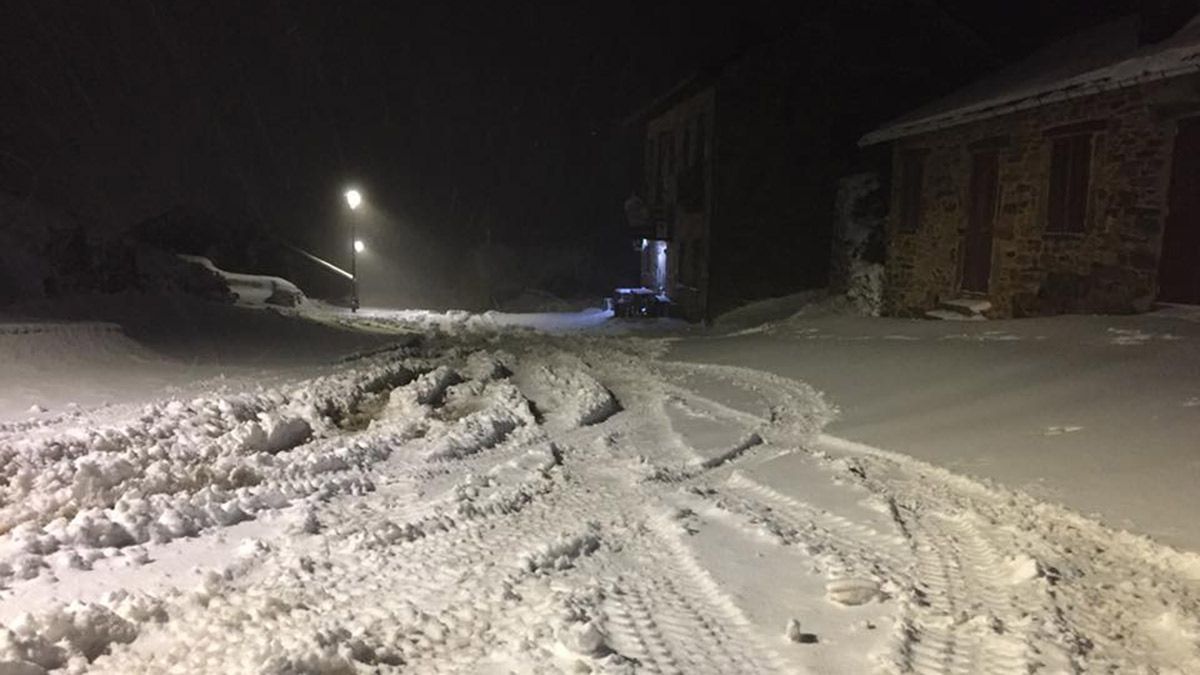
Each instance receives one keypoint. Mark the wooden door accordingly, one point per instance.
(1179, 265)
(977, 243)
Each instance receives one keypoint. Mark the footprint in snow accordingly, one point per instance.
(852, 592)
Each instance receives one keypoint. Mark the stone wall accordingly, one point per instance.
(1110, 267)
(688, 124)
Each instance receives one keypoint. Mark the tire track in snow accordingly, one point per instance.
(960, 614)
(960, 617)
(498, 559)
(1093, 598)
(854, 549)
(676, 619)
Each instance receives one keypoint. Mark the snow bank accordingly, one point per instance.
(865, 290)
(863, 297)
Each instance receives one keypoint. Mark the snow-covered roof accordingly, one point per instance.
(1104, 58)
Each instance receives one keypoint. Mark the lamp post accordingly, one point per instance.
(354, 200)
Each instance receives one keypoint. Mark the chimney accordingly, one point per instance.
(1160, 19)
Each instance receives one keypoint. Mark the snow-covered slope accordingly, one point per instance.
(133, 348)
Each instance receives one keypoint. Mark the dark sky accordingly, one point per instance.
(460, 120)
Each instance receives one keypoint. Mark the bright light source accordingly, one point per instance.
(353, 198)
(359, 246)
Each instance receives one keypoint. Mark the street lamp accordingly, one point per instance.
(354, 200)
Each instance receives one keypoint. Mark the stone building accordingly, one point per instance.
(734, 204)
(1069, 182)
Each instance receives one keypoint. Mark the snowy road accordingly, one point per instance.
(523, 503)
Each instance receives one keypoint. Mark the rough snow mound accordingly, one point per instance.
(254, 289)
(71, 497)
(865, 292)
(568, 394)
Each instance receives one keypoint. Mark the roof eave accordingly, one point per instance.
(1077, 88)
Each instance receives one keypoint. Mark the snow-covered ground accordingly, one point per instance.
(1101, 413)
(414, 492)
(137, 349)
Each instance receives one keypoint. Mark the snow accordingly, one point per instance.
(1089, 411)
(253, 289)
(447, 492)
(134, 349)
(457, 322)
(969, 305)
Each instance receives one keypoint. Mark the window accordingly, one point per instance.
(652, 170)
(1070, 173)
(669, 140)
(912, 179)
(660, 168)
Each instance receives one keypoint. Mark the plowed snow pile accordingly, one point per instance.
(514, 502)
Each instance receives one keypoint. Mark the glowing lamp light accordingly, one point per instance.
(353, 198)
(359, 246)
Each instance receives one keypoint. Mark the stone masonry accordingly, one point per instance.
(1110, 267)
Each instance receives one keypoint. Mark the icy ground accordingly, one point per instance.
(464, 496)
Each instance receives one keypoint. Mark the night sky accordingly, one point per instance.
(463, 122)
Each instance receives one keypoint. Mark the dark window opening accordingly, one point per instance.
(669, 139)
(660, 168)
(690, 178)
(652, 170)
(912, 180)
(1070, 175)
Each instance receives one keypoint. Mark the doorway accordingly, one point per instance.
(977, 243)
(1179, 264)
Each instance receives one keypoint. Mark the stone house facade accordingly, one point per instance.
(1048, 194)
(678, 185)
(733, 201)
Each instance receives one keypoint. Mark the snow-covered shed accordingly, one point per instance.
(1069, 182)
